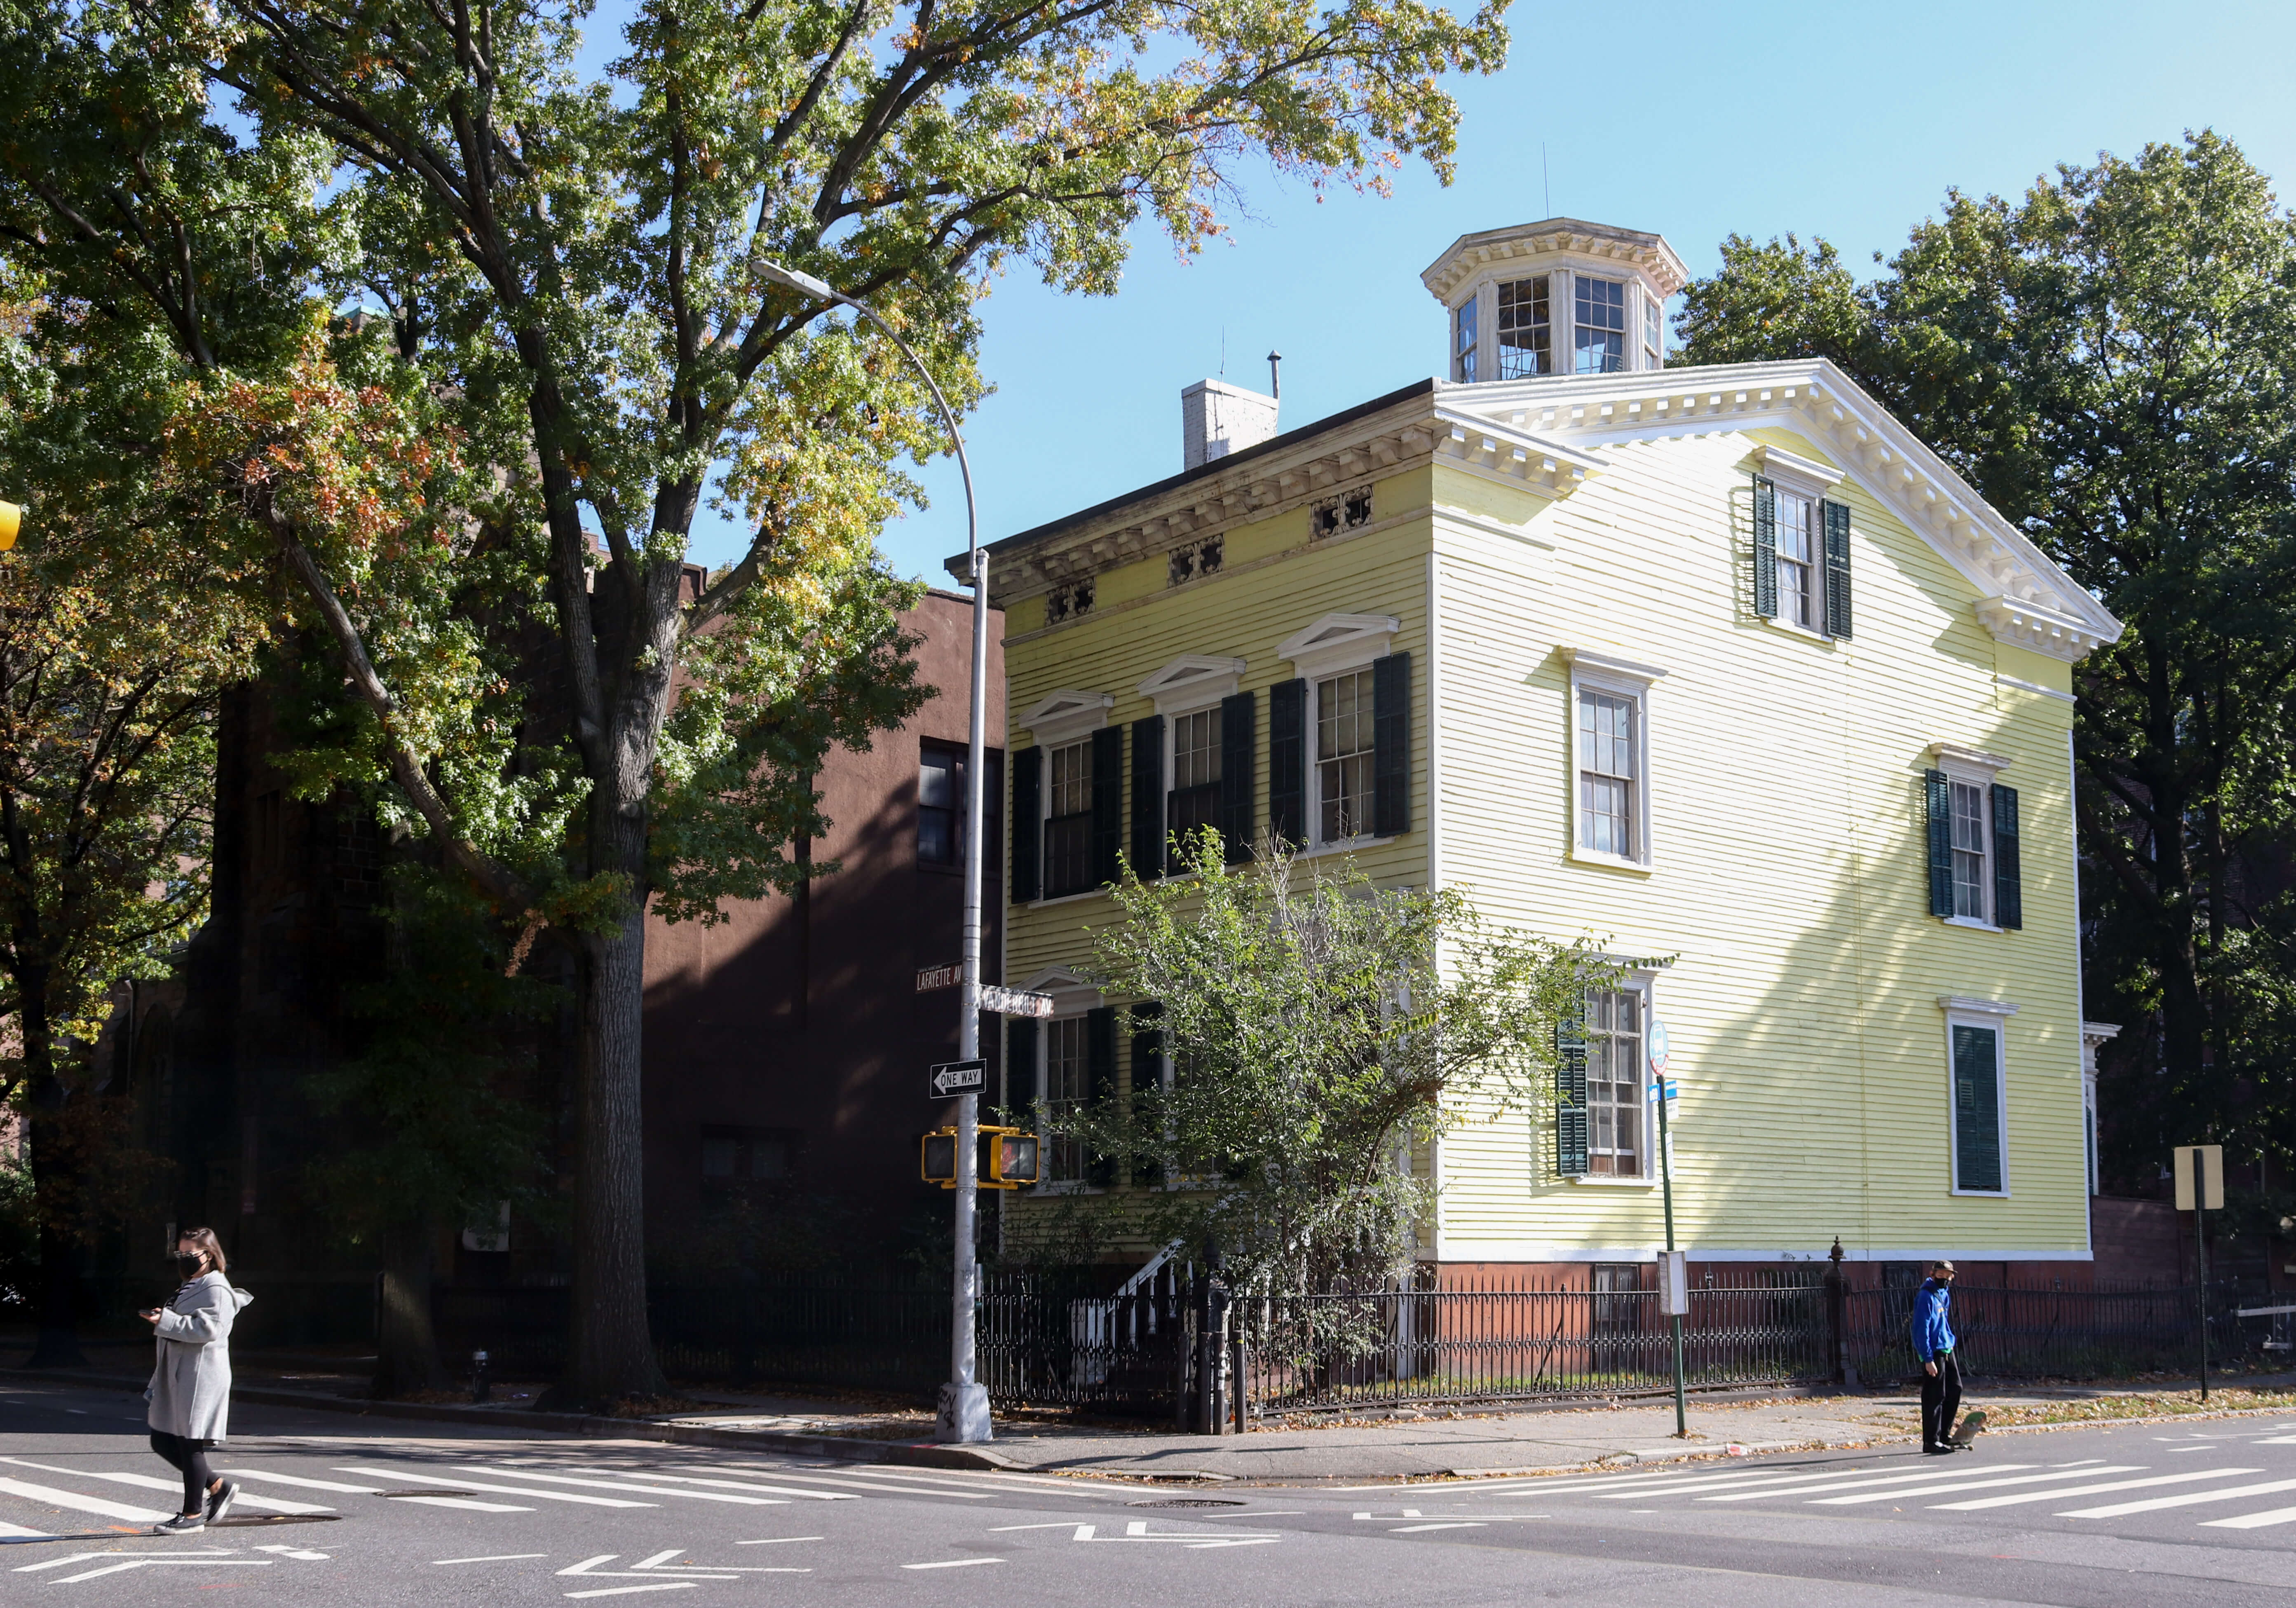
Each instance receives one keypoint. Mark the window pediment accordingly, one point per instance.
(1193, 681)
(1972, 763)
(1806, 476)
(1059, 717)
(1337, 641)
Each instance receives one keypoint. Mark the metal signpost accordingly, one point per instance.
(2200, 1187)
(1674, 1284)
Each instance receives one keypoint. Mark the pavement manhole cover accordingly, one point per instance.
(1188, 1502)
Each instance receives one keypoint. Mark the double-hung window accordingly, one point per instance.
(1653, 337)
(1975, 873)
(1799, 603)
(1195, 796)
(1462, 347)
(1600, 334)
(940, 806)
(1526, 328)
(1615, 1119)
(1609, 753)
(1976, 1060)
(1344, 754)
(1067, 1086)
(1970, 844)
(1068, 819)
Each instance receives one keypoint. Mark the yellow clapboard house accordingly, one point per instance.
(1720, 664)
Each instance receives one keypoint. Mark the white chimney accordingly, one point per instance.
(1216, 419)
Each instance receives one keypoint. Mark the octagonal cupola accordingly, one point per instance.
(1560, 297)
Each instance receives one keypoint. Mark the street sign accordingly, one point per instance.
(949, 1077)
(1656, 1043)
(930, 978)
(1674, 1284)
(1014, 1002)
(2207, 1161)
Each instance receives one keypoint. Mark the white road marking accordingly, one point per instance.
(80, 1504)
(2277, 1515)
(467, 1505)
(953, 1563)
(1651, 1485)
(498, 1490)
(2188, 1499)
(159, 1562)
(299, 1482)
(154, 1483)
(1841, 1483)
(1413, 1530)
(494, 1557)
(304, 1554)
(18, 1530)
(998, 1529)
(2277, 1441)
(2023, 1497)
(650, 1490)
(1096, 1489)
(650, 1586)
(1954, 1485)
(779, 1540)
(751, 1485)
(879, 1485)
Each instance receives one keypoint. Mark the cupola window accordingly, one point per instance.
(1526, 328)
(1464, 346)
(1602, 325)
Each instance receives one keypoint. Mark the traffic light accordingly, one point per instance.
(11, 519)
(1007, 1158)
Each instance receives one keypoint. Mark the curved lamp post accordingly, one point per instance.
(964, 1401)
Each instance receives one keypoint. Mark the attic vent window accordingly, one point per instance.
(1349, 511)
(1196, 559)
(1069, 602)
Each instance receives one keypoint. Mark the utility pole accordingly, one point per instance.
(1674, 1283)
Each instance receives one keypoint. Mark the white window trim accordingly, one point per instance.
(1073, 998)
(1622, 677)
(1974, 768)
(1993, 1015)
(1804, 477)
(1191, 682)
(1061, 717)
(1333, 646)
(1644, 984)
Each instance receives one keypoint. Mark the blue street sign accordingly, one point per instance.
(1657, 1047)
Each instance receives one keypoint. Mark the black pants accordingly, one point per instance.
(1940, 1399)
(190, 1458)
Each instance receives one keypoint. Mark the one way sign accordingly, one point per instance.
(949, 1077)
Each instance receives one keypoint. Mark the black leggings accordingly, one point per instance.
(191, 1457)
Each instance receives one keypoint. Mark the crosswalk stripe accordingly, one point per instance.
(80, 1504)
(498, 1490)
(2022, 1498)
(778, 1490)
(1865, 1477)
(624, 1485)
(2277, 1515)
(1743, 1482)
(466, 1503)
(154, 1483)
(2188, 1499)
(885, 1485)
(19, 1531)
(299, 1482)
(998, 1484)
(1954, 1485)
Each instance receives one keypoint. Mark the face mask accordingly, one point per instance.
(189, 1266)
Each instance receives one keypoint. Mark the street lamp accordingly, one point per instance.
(963, 1415)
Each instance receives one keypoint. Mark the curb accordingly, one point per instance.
(841, 1447)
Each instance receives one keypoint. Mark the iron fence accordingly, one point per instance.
(2009, 1333)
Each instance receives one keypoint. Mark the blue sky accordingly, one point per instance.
(1693, 121)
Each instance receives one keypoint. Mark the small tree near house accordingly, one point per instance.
(1309, 1034)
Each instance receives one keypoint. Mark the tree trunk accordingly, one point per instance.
(406, 1342)
(55, 1197)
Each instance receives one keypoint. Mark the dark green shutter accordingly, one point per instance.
(1940, 794)
(1239, 744)
(1287, 762)
(1147, 1079)
(1148, 797)
(1837, 569)
(1571, 1098)
(1390, 746)
(1021, 1072)
(2008, 876)
(1027, 823)
(1100, 1072)
(1107, 804)
(1766, 548)
(1976, 1109)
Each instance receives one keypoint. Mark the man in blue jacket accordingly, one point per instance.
(1940, 1374)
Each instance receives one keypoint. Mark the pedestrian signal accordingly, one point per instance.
(1008, 1158)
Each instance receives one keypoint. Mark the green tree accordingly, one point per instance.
(2112, 361)
(1320, 1028)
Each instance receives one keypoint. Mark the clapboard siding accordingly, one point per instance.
(1787, 877)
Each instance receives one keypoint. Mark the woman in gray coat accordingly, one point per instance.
(190, 1391)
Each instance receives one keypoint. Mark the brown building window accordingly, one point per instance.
(733, 1158)
(940, 806)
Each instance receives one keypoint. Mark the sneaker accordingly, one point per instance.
(1938, 1451)
(182, 1524)
(219, 1500)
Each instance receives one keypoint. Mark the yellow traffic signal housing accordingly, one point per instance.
(1008, 1158)
(12, 520)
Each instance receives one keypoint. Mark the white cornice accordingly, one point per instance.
(1613, 247)
(1963, 1004)
(1968, 758)
(1337, 641)
(1193, 681)
(1589, 660)
(2025, 599)
(1778, 461)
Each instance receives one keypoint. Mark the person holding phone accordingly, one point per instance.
(190, 1390)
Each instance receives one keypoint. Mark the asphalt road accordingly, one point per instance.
(341, 1512)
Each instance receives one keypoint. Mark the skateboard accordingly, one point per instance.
(1973, 1425)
